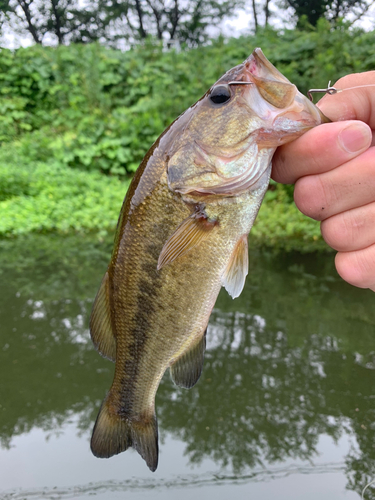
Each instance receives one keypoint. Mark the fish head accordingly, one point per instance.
(244, 116)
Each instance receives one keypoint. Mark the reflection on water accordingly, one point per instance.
(288, 362)
(189, 481)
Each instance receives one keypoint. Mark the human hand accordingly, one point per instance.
(333, 167)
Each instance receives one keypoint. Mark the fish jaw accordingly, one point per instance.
(300, 117)
(261, 66)
(286, 112)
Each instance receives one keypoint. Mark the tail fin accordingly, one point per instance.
(113, 434)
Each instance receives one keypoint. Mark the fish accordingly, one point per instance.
(182, 234)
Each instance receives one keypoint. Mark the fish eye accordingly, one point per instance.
(220, 94)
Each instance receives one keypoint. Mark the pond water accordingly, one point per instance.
(285, 407)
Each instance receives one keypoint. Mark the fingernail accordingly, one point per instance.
(355, 137)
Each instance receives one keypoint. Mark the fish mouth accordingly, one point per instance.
(295, 112)
(253, 70)
(259, 66)
(301, 116)
(257, 71)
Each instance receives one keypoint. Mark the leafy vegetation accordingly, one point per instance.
(76, 121)
(311, 11)
(49, 197)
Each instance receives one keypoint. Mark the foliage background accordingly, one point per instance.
(75, 122)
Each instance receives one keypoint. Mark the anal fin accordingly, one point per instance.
(185, 372)
(235, 274)
(100, 322)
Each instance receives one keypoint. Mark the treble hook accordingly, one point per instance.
(329, 90)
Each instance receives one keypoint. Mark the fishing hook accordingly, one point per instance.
(329, 90)
(333, 90)
(240, 83)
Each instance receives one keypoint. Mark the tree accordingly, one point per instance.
(61, 20)
(341, 8)
(312, 10)
(185, 21)
(116, 20)
(261, 13)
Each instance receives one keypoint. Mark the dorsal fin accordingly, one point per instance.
(189, 233)
(235, 274)
(186, 371)
(100, 322)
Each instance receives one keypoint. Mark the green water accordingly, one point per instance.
(285, 407)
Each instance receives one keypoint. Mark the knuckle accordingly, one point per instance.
(357, 268)
(310, 197)
(363, 78)
(346, 81)
(340, 232)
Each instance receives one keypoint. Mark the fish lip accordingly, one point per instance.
(309, 113)
(257, 63)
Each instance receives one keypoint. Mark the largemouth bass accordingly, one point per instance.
(181, 236)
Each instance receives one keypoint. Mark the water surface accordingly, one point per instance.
(285, 407)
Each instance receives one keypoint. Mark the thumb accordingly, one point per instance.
(353, 103)
(321, 149)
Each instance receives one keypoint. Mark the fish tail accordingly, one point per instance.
(113, 434)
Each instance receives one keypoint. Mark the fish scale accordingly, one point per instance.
(181, 236)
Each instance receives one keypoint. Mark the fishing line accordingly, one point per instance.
(333, 90)
(329, 90)
(365, 488)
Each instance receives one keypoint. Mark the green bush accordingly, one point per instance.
(48, 197)
(70, 114)
(281, 226)
(95, 108)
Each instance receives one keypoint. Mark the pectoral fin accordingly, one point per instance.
(100, 322)
(235, 274)
(186, 371)
(189, 233)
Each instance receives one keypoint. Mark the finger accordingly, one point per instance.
(349, 186)
(350, 230)
(357, 268)
(322, 148)
(353, 104)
